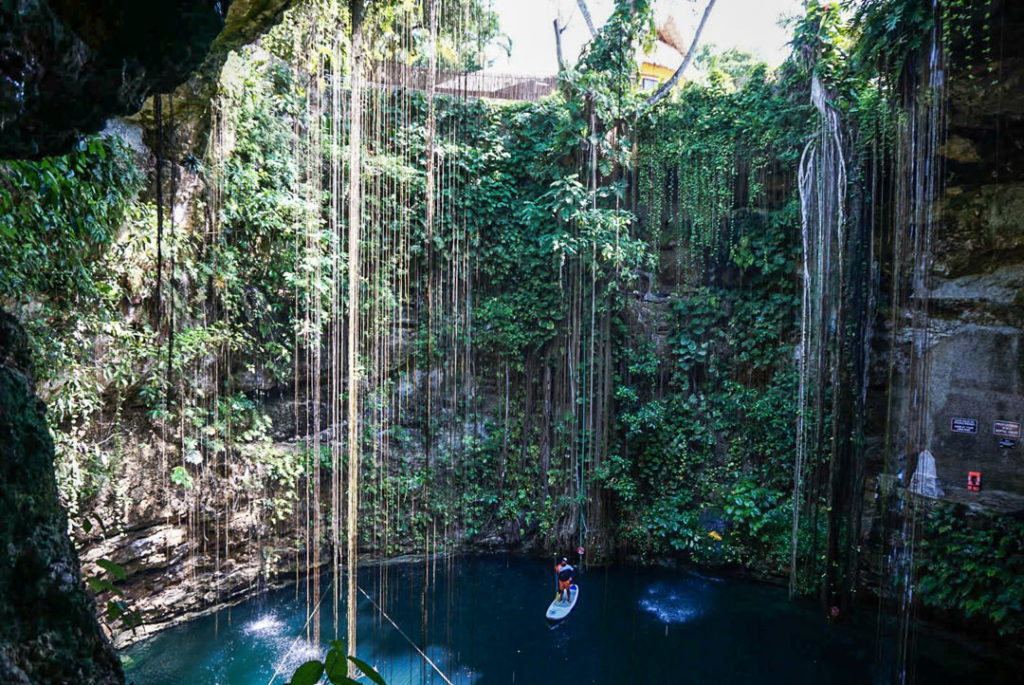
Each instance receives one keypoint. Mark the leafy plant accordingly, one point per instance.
(335, 668)
(58, 215)
(118, 609)
(181, 477)
(973, 565)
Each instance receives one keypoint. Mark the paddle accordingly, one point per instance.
(554, 558)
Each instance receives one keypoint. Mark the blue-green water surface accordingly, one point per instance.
(481, 620)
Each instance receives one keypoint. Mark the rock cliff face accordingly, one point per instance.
(191, 552)
(48, 632)
(976, 294)
(180, 567)
(976, 357)
(66, 68)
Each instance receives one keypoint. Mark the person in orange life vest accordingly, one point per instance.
(565, 574)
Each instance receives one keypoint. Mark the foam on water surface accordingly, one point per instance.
(268, 625)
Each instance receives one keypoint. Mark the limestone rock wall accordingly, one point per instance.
(67, 66)
(976, 294)
(48, 631)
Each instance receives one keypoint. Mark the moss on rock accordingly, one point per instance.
(48, 632)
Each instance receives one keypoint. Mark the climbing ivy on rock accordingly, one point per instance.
(707, 401)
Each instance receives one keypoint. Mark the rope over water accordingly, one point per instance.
(380, 610)
(309, 617)
(423, 654)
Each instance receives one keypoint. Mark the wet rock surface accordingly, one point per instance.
(67, 65)
(48, 632)
(977, 296)
(974, 343)
(175, 574)
(976, 375)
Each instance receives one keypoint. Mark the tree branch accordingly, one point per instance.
(586, 16)
(687, 58)
(558, 45)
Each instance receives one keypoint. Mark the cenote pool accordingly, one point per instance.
(485, 624)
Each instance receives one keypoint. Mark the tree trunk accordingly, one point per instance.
(586, 16)
(558, 45)
(687, 58)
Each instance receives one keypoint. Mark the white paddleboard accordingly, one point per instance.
(560, 608)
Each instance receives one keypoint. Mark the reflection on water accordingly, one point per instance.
(484, 624)
(674, 602)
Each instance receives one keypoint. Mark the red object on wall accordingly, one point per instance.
(974, 481)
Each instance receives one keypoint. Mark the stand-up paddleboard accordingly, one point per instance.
(560, 608)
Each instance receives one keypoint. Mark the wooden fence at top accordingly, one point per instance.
(465, 84)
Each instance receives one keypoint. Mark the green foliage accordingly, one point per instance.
(606, 75)
(393, 32)
(118, 609)
(698, 153)
(58, 215)
(703, 464)
(100, 348)
(702, 410)
(308, 673)
(536, 229)
(760, 519)
(865, 53)
(520, 309)
(181, 477)
(335, 668)
(891, 34)
(74, 254)
(731, 68)
(257, 260)
(973, 565)
(367, 670)
(112, 568)
(821, 40)
(599, 237)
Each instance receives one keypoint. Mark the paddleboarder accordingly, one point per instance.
(565, 574)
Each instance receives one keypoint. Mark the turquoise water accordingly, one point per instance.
(484, 623)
